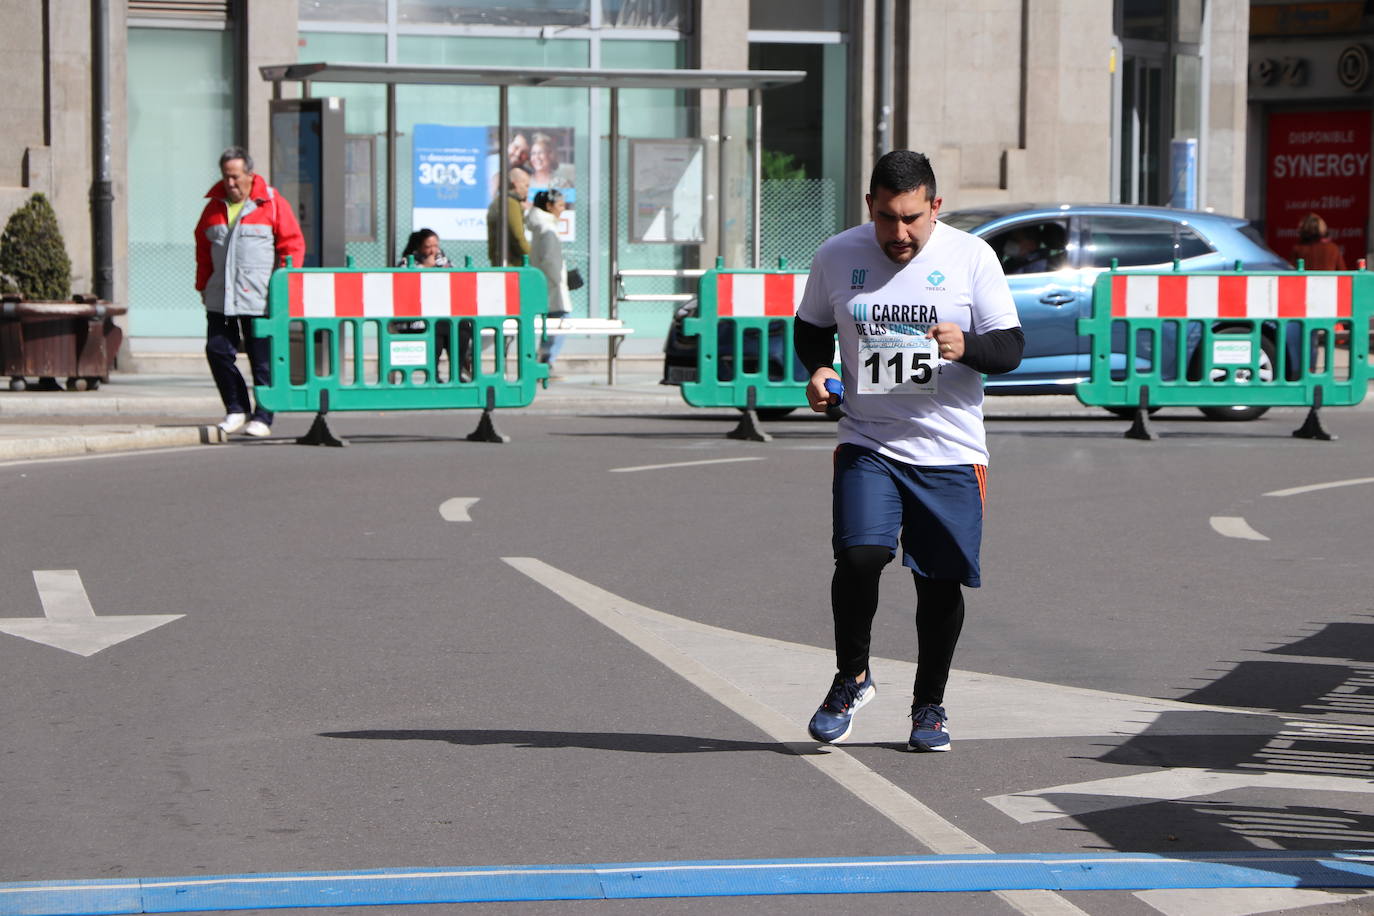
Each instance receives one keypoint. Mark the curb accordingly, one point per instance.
(99, 442)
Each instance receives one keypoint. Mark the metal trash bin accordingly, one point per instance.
(75, 340)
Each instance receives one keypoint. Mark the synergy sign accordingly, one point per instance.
(1318, 162)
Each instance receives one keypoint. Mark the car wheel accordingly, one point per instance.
(1266, 373)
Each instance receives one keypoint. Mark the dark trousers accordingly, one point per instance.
(224, 338)
(854, 601)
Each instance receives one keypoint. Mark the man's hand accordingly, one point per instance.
(816, 395)
(949, 340)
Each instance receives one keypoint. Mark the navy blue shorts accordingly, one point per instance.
(936, 511)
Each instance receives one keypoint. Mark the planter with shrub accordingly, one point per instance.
(45, 331)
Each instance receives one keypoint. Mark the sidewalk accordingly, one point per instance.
(146, 410)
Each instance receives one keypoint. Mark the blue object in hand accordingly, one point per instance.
(835, 387)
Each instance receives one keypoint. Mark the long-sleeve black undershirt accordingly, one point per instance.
(991, 353)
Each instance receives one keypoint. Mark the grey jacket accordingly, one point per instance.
(234, 264)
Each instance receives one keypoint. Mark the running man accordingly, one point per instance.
(922, 309)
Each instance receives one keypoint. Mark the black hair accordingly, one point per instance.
(417, 238)
(903, 170)
(545, 199)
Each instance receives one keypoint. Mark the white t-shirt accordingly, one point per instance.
(901, 398)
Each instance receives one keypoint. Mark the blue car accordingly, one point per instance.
(1053, 253)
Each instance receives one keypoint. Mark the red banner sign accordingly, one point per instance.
(1318, 162)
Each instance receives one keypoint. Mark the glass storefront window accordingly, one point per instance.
(503, 12)
(341, 48)
(341, 10)
(180, 98)
(1146, 20)
(647, 14)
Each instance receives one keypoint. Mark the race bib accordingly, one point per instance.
(898, 364)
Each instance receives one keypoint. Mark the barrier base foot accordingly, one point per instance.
(486, 430)
(320, 434)
(1140, 427)
(1140, 422)
(749, 428)
(1312, 428)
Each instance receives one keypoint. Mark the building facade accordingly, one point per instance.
(1259, 108)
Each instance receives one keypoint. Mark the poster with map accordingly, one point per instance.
(668, 191)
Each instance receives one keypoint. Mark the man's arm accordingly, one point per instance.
(816, 349)
(205, 266)
(290, 240)
(815, 345)
(993, 352)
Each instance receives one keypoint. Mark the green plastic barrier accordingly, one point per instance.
(748, 313)
(403, 339)
(1228, 339)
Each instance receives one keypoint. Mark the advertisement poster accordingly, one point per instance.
(1318, 162)
(667, 191)
(546, 153)
(449, 186)
(456, 169)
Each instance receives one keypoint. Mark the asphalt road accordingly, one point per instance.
(600, 642)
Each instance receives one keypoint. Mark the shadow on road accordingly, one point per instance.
(631, 742)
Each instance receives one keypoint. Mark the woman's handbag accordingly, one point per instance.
(575, 280)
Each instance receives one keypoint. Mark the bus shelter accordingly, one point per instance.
(728, 152)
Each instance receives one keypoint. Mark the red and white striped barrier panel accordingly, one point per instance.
(1231, 296)
(403, 294)
(758, 295)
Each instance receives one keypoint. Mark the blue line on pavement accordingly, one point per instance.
(738, 878)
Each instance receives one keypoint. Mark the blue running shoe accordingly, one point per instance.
(928, 731)
(832, 722)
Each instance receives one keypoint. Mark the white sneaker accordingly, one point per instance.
(232, 423)
(257, 429)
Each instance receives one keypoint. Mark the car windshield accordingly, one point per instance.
(968, 220)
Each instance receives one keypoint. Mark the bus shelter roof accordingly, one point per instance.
(554, 77)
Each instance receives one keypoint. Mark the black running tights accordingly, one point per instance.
(854, 601)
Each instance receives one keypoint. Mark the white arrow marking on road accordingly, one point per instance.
(775, 685)
(69, 622)
(1233, 526)
(1165, 785)
(456, 509)
(1243, 901)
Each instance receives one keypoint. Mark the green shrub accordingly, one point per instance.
(33, 257)
(777, 165)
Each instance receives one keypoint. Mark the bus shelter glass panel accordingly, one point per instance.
(647, 115)
(458, 126)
